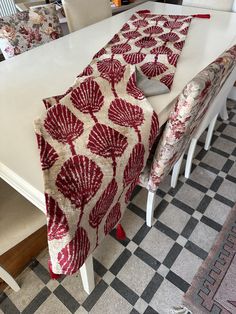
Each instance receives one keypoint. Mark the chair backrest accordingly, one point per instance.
(82, 13)
(28, 29)
(234, 6)
(7, 7)
(221, 5)
(187, 113)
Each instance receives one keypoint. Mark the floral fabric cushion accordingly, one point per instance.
(28, 29)
(188, 110)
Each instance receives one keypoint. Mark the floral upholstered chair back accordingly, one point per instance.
(187, 112)
(28, 29)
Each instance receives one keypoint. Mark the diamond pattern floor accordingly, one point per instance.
(151, 270)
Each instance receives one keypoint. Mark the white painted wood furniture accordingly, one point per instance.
(209, 121)
(51, 68)
(82, 13)
(190, 101)
(18, 220)
(22, 6)
(232, 94)
(220, 103)
(234, 6)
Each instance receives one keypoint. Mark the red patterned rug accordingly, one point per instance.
(213, 289)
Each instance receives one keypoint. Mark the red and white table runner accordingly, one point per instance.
(95, 139)
(152, 42)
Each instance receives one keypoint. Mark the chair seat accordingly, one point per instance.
(18, 218)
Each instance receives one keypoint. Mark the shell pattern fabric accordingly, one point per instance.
(94, 139)
(151, 42)
(93, 145)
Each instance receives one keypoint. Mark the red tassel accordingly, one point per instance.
(52, 275)
(120, 233)
(202, 16)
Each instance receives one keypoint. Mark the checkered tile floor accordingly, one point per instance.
(149, 271)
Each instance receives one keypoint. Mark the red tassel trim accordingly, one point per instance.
(202, 16)
(52, 275)
(143, 11)
(120, 233)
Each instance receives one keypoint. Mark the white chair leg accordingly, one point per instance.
(9, 280)
(191, 151)
(150, 208)
(210, 133)
(224, 112)
(87, 275)
(175, 171)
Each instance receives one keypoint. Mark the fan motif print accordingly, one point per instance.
(95, 138)
(151, 42)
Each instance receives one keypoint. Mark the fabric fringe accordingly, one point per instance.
(202, 16)
(120, 233)
(180, 310)
(52, 274)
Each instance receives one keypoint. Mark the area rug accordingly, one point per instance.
(213, 289)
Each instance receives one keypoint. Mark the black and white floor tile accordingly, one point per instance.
(151, 270)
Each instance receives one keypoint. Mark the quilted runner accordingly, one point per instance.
(95, 139)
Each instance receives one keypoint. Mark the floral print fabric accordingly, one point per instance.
(28, 29)
(187, 113)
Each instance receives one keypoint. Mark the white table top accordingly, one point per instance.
(50, 69)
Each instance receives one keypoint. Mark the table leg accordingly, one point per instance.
(9, 280)
(87, 275)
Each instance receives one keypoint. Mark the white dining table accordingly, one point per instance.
(51, 68)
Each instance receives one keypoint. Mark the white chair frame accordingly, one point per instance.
(218, 106)
(9, 280)
(82, 13)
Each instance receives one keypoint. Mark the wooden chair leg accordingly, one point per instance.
(210, 133)
(175, 171)
(10, 281)
(87, 275)
(150, 208)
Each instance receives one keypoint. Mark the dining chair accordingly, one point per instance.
(82, 13)
(7, 7)
(221, 5)
(188, 110)
(28, 29)
(234, 6)
(228, 61)
(19, 219)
